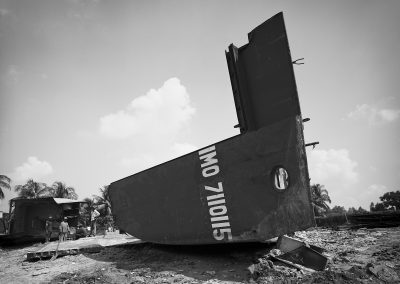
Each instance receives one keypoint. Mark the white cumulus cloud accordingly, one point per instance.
(337, 171)
(376, 190)
(150, 130)
(32, 168)
(373, 115)
(145, 158)
(332, 164)
(162, 113)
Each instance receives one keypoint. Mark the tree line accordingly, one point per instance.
(32, 189)
(390, 201)
(319, 197)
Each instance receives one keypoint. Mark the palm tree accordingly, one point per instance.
(94, 204)
(89, 204)
(103, 204)
(4, 183)
(60, 190)
(319, 198)
(87, 207)
(32, 189)
(103, 199)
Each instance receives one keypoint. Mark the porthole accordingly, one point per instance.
(280, 178)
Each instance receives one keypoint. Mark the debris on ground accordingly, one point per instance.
(353, 256)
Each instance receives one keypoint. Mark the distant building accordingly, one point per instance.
(28, 216)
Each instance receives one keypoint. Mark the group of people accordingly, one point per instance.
(63, 229)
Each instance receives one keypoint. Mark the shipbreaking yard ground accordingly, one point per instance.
(83, 245)
(354, 256)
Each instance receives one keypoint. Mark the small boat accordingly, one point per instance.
(247, 188)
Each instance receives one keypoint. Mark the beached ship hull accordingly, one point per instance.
(250, 187)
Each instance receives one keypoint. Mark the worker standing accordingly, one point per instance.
(93, 222)
(49, 228)
(64, 230)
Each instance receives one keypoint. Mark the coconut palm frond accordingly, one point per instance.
(5, 179)
(320, 198)
(103, 201)
(60, 190)
(32, 189)
(4, 184)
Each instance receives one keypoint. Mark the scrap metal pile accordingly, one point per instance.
(347, 256)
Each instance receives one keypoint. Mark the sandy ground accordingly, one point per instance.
(355, 256)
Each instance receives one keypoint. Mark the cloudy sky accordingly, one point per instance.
(93, 91)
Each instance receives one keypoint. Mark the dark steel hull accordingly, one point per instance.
(168, 203)
(251, 187)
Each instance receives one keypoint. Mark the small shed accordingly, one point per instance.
(28, 216)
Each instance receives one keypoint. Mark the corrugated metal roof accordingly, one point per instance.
(41, 199)
(66, 200)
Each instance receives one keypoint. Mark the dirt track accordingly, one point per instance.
(362, 256)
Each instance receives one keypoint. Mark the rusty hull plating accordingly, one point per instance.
(250, 187)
